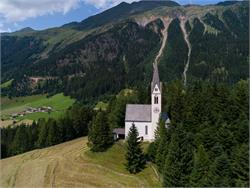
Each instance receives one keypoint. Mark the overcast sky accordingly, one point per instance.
(42, 14)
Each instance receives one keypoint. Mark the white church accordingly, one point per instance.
(146, 116)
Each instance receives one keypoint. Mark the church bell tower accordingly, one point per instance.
(156, 90)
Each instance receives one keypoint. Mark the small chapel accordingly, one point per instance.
(146, 117)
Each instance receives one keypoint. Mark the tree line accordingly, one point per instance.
(44, 133)
(206, 144)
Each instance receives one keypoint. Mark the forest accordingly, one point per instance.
(206, 144)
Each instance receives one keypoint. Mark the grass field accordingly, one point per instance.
(58, 102)
(6, 84)
(71, 164)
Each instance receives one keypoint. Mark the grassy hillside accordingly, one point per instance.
(71, 164)
(6, 84)
(58, 102)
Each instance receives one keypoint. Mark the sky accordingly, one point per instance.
(42, 14)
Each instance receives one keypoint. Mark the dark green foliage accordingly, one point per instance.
(123, 51)
(80, 117)
(240, 165)
(17, 53)
(161, 142)
(151, 152)
(220, 56)
(178, 160)
(100, 135)
(220, 172)
(174, 56)
(21, 141)
(135, 157)
(118, 55)
(54, 133)
(117, 107)
(171, 172)
(210, 118)
(201, 167)
(44, 133)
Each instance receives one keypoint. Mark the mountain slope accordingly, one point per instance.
(85, 59)
(71, 164)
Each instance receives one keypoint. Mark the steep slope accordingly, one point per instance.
(198, 43)
(72, 165)
(120, 12)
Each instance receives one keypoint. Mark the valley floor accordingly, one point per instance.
(71, 164)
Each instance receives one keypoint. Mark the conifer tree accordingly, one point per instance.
(43, 132)
(201, 167)
(161, 144)
(219, 174)
(179, 160)
(53, 137)
(172, 169)
(20, 142)
(100, 135)
(135, 157)
(240, 166)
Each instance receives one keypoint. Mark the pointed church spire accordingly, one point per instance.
(156, 79)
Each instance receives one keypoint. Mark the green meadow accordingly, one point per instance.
(58, 102)
(6, 84)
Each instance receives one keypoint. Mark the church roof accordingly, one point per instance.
(119, 131)
(164, 116)
(156, 79)
(138, 112)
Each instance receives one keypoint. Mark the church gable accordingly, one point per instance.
(156, 89)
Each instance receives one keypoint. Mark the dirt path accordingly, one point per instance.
(186, 38)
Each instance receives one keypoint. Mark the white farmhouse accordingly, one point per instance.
(146, 116)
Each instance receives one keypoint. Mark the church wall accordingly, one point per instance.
(141, 130)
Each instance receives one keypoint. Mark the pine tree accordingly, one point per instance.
(219, 174)
(172, 168)
(240, 166)
(43, 133)
(161, 144)
(179, 159)
(135, 157)
(53, 136)
(201, 167)
(100, 135)
(20, 143)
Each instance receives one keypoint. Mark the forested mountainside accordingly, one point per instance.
(116, 49)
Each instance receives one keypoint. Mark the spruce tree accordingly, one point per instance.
(219, 174)
(135, 157)
(100, 135)
(240, 166)
(201, 167)
(53, 136)
(172, 169)
(179, 159)
(20, 142)
(161, 144)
